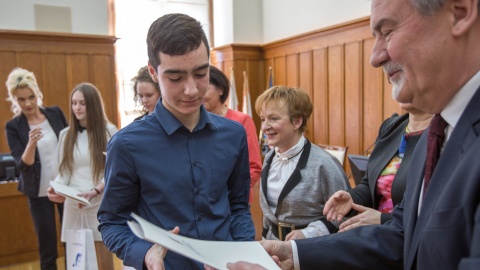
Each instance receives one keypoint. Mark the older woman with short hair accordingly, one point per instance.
(298, 177)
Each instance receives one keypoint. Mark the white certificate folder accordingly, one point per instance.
(69, 192)
(213, 253)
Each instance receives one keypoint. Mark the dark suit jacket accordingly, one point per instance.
(17, 135)
(446, 234)
(386, 147)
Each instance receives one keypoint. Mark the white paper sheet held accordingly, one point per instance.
(214, 253)
(68, 192)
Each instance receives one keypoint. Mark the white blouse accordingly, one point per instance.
(283, 165)
(46, 147)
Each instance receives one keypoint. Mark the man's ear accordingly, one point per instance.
(465, 13)
(153, 72)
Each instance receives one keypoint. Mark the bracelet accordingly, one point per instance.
(97, 191)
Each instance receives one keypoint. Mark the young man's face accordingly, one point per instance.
(184, 81)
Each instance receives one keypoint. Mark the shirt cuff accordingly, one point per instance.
(296, 260)
(314, 229)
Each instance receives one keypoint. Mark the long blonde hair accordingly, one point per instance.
(96, 128)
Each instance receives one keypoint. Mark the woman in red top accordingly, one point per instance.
(214, 102)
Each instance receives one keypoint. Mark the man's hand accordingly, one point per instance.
(366, 216)
(295, 234)
(339, 204)
(280, 251)
(155, 255)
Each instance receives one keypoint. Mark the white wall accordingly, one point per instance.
(247, 21)
(223, 22)
(265, 21)
(133, 19)
(287, 18)
(88, 16)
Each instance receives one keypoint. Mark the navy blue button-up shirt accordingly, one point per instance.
(170, 176)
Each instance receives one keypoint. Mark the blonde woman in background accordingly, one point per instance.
(32, 136)
(82, 162)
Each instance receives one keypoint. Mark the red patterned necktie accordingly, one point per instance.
(436, 138)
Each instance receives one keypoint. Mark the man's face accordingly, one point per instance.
(184, 81)
(413, 51)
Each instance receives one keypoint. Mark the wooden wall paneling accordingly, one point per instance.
(373, 98)
(334, 35)
(7, 60)
(305, 72)
(353, 101)
(56, 84)
(33, 62)
(336, 96)
(279, 70)
(320, 96)
(255, 78)
(18, 238)
(354, 97)
(240, 67)
(269, 63)
(79, 70)
(228, 65)
(103, 77)
(292, 70)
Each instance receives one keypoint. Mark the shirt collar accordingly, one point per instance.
(171, 124)
(292, 151)
(452, 112)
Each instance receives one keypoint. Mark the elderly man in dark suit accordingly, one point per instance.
(430, 51)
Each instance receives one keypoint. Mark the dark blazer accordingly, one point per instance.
(17, 135)
(446, 233)
(386, 147)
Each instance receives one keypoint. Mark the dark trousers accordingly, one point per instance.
(43, 215)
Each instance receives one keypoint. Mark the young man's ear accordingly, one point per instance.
(464, 14)
(153, 73)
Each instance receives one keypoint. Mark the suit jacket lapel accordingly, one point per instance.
(54, 121)
(265, 171)
(23, 128)
(412, 197)
(460, 140)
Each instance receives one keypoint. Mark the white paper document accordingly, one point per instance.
(68, 192)
(214, 253)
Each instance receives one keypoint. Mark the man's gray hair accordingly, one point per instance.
(429, 7)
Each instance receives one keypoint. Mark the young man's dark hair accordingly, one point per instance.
(174, 34)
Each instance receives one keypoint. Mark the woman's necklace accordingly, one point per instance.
(287, 159)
